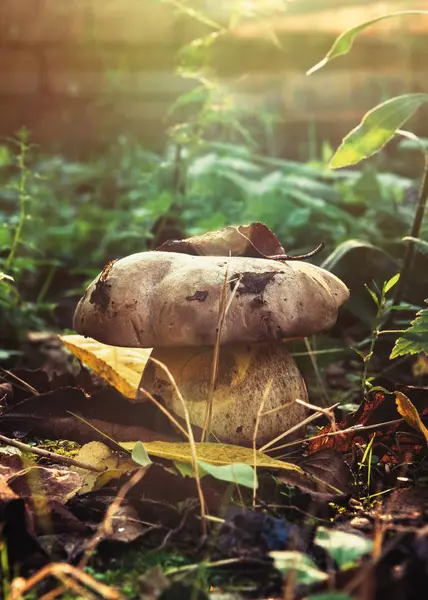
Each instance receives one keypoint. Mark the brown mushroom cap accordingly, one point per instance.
(169, 299)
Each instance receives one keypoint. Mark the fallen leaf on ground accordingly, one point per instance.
(120, 367)
(410, 414)
(227, 454)
(99, 455)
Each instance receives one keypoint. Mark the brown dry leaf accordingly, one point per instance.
(410, 414)
(120, 367)
(255, 239)
(99, 455)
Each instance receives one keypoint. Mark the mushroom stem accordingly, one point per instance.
(244, 373)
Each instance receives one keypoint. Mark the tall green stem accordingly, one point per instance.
(22, 197)
(406, 269)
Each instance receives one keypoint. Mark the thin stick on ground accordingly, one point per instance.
(59, 458)
(191, 440)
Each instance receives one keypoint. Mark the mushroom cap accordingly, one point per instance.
(171, 299)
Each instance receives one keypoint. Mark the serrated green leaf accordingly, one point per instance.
(414, 339)
(344, 42)
(303, 567)
(344, 548)
(378, 126)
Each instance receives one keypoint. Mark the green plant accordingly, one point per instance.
(378, 127)
(383, 309)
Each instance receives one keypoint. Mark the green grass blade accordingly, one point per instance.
(344, 42)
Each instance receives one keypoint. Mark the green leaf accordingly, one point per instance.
(344, 42)
(239, 473)
(305, 570)
(378, 126)
(388, 285)
(140, 456)
(372, 294)
(344, 548)
(414, 339)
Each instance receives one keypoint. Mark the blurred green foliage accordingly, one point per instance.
(80, 215)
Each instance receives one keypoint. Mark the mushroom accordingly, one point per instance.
(169, 301)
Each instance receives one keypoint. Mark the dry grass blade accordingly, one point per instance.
(191, 440)
(256, 430)
(165, 411)
(290, 431)
(105, 526)
(223, 309)
(63, 572)
(26, 385)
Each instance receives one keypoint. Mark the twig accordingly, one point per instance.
(66, 460)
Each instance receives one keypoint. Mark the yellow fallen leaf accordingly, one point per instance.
(215, 454)
(410, 414)
(120, 367)
(226, 454)
(99, 455)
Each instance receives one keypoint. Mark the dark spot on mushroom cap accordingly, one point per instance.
(239, 429)
(201, 296)
(252, 283)
(101, 295)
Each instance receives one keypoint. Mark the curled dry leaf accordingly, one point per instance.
(410, 414)
(120, 367)
(255, 240)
